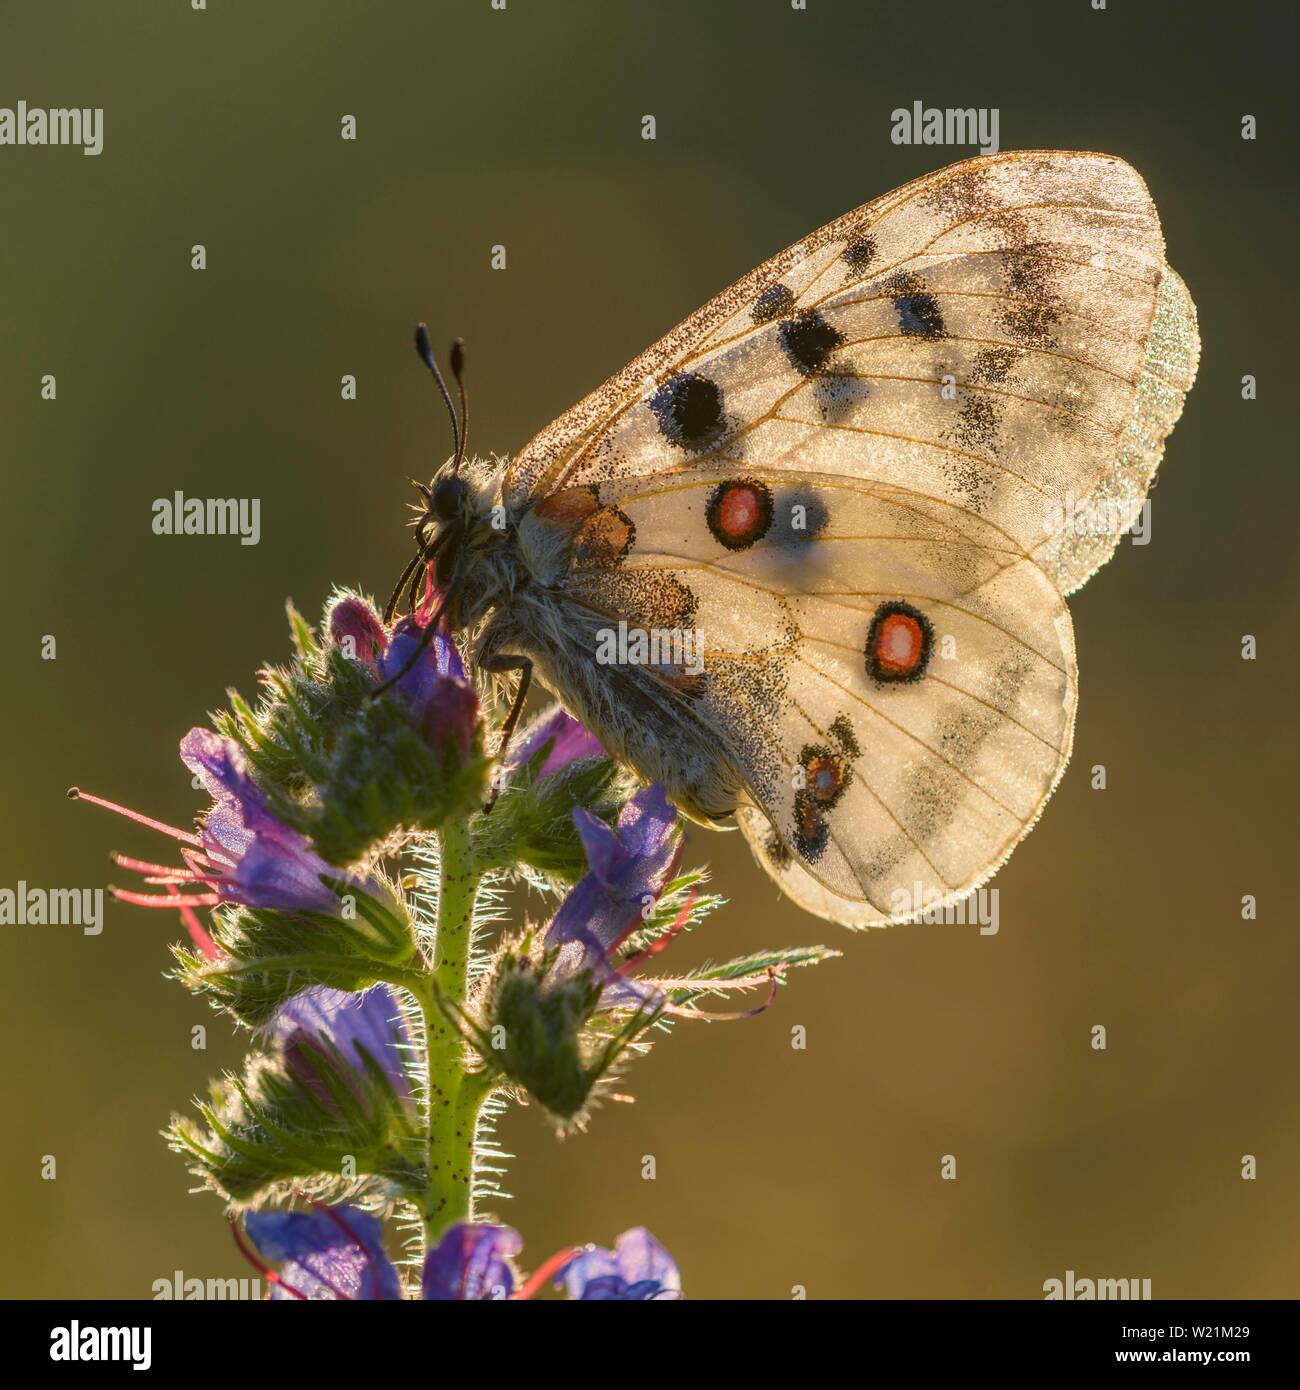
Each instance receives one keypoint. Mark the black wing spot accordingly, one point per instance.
(811, 833)
(808, 341)
(842, 733)
(838, 393)
(992, 365)
(801, 516)
(775, 301)
(859, 254)
(688, 407)
(919, 316)
(978, 424)
(1036, 308)
(774, 848)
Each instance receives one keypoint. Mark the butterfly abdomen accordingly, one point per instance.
(642, 713)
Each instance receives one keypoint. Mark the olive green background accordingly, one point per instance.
(776, 1168)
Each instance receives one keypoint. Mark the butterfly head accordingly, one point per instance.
(454, 530)
(449, 497)
(448, 502)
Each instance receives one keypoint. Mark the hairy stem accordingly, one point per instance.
(454, 1099)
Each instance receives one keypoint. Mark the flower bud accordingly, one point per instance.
(434, 684)
(366, 733)
(356, 630)
(538, 1017)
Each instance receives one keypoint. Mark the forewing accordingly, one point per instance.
(1002, 335)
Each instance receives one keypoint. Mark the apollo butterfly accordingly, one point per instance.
(851, 476)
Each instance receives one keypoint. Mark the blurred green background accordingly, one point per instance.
(776, 1167)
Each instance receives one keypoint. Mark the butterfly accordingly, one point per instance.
(839, 508)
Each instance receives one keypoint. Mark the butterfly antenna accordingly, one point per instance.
(427, 357)
(458, 371)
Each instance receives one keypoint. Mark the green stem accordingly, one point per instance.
(454, 1099)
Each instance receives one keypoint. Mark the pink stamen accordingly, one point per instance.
(165, 875)
(425, 611)
(124, 895)
(205, 861)
(545, 1270)
(143, 866)
(198, 935)
(76, 794)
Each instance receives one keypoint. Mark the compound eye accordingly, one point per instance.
(447, 498)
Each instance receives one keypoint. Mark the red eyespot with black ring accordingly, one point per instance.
(899, 643)
(739, 513)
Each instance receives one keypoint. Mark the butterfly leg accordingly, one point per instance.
(412, 568)
(412, 596)
(498, 665)
(426, 636)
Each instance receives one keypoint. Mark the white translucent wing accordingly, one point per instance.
(1003, 335)
(940, 385)
(873, 789)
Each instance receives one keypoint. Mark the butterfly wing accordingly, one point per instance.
(856, 471)
(1031, 285)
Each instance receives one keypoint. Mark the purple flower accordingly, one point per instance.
(637, 1269)
(328, 1252)
(243, 852)
(436, 686)
(356, 1024)
(572, 742)
(337, 1252)
(472, 1261)
(258, 860)
(629, 868)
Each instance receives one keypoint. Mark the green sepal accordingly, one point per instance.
(546, 1035)
(267, 957)
(779, 960)
(269, 1133)
(383, 776)
(532, 821)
